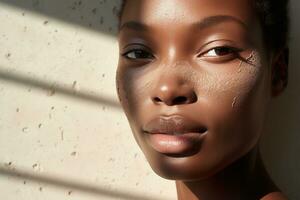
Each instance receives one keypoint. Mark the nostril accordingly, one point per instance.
(180, 100)
(202, 130)
(156, 99)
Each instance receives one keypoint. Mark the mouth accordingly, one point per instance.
(175, 135)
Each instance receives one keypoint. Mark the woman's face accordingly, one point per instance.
(194, 82)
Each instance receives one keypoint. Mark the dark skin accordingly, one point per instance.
(195, 80)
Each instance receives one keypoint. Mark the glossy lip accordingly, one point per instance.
(174, 135)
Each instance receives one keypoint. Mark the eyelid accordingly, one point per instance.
(234, 50)
(214, 44)
(132, 50)
(136, 46)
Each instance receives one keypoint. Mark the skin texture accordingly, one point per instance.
(195, 82)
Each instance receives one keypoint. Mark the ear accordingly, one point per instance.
(280, 72)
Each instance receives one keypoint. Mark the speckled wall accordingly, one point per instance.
(62, 132)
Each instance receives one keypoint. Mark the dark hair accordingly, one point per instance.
(274, 19)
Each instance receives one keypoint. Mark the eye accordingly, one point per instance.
(138, 54)
(220, 51)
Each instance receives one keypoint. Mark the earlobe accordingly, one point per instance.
(280, 72)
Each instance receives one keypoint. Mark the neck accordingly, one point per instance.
(245, 179)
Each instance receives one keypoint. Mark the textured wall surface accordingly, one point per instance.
(62, 132)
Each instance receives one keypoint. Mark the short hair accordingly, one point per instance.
(274, 19)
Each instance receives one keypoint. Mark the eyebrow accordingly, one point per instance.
(203, 24)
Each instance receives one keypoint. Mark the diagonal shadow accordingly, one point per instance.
(22, 80)
(97, 15)
(63, 183)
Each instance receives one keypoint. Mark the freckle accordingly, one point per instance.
(41, 189)
(17, 110)
(46, 22)
(74, 153)
(40, 125)
(24, 182)
(70, 192)
(94, 11)
(8, 55)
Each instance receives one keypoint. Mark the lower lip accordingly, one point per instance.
(176, 144)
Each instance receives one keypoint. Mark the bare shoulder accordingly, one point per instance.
(275, 196)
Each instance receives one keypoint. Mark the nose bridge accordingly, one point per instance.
(172, 88)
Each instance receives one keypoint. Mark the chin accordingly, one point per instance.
(196, 167)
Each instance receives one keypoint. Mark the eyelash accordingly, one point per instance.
(141, 51)
(230, 52)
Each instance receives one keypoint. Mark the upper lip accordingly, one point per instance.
(172, 125)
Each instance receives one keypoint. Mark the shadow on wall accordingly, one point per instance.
(70, 185)
(98, 15)
(52, 88)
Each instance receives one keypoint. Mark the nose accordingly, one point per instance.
(171, 90)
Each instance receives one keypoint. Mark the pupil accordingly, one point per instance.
(223, 51)
(141, 54)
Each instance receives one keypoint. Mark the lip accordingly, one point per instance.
(174, 135)
(173, 125)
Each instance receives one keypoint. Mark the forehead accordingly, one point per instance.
(170, 12)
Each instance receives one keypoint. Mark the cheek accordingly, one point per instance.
(133, 87)
(235, 79)
(236, 104)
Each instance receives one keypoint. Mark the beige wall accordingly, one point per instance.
(62, 132)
